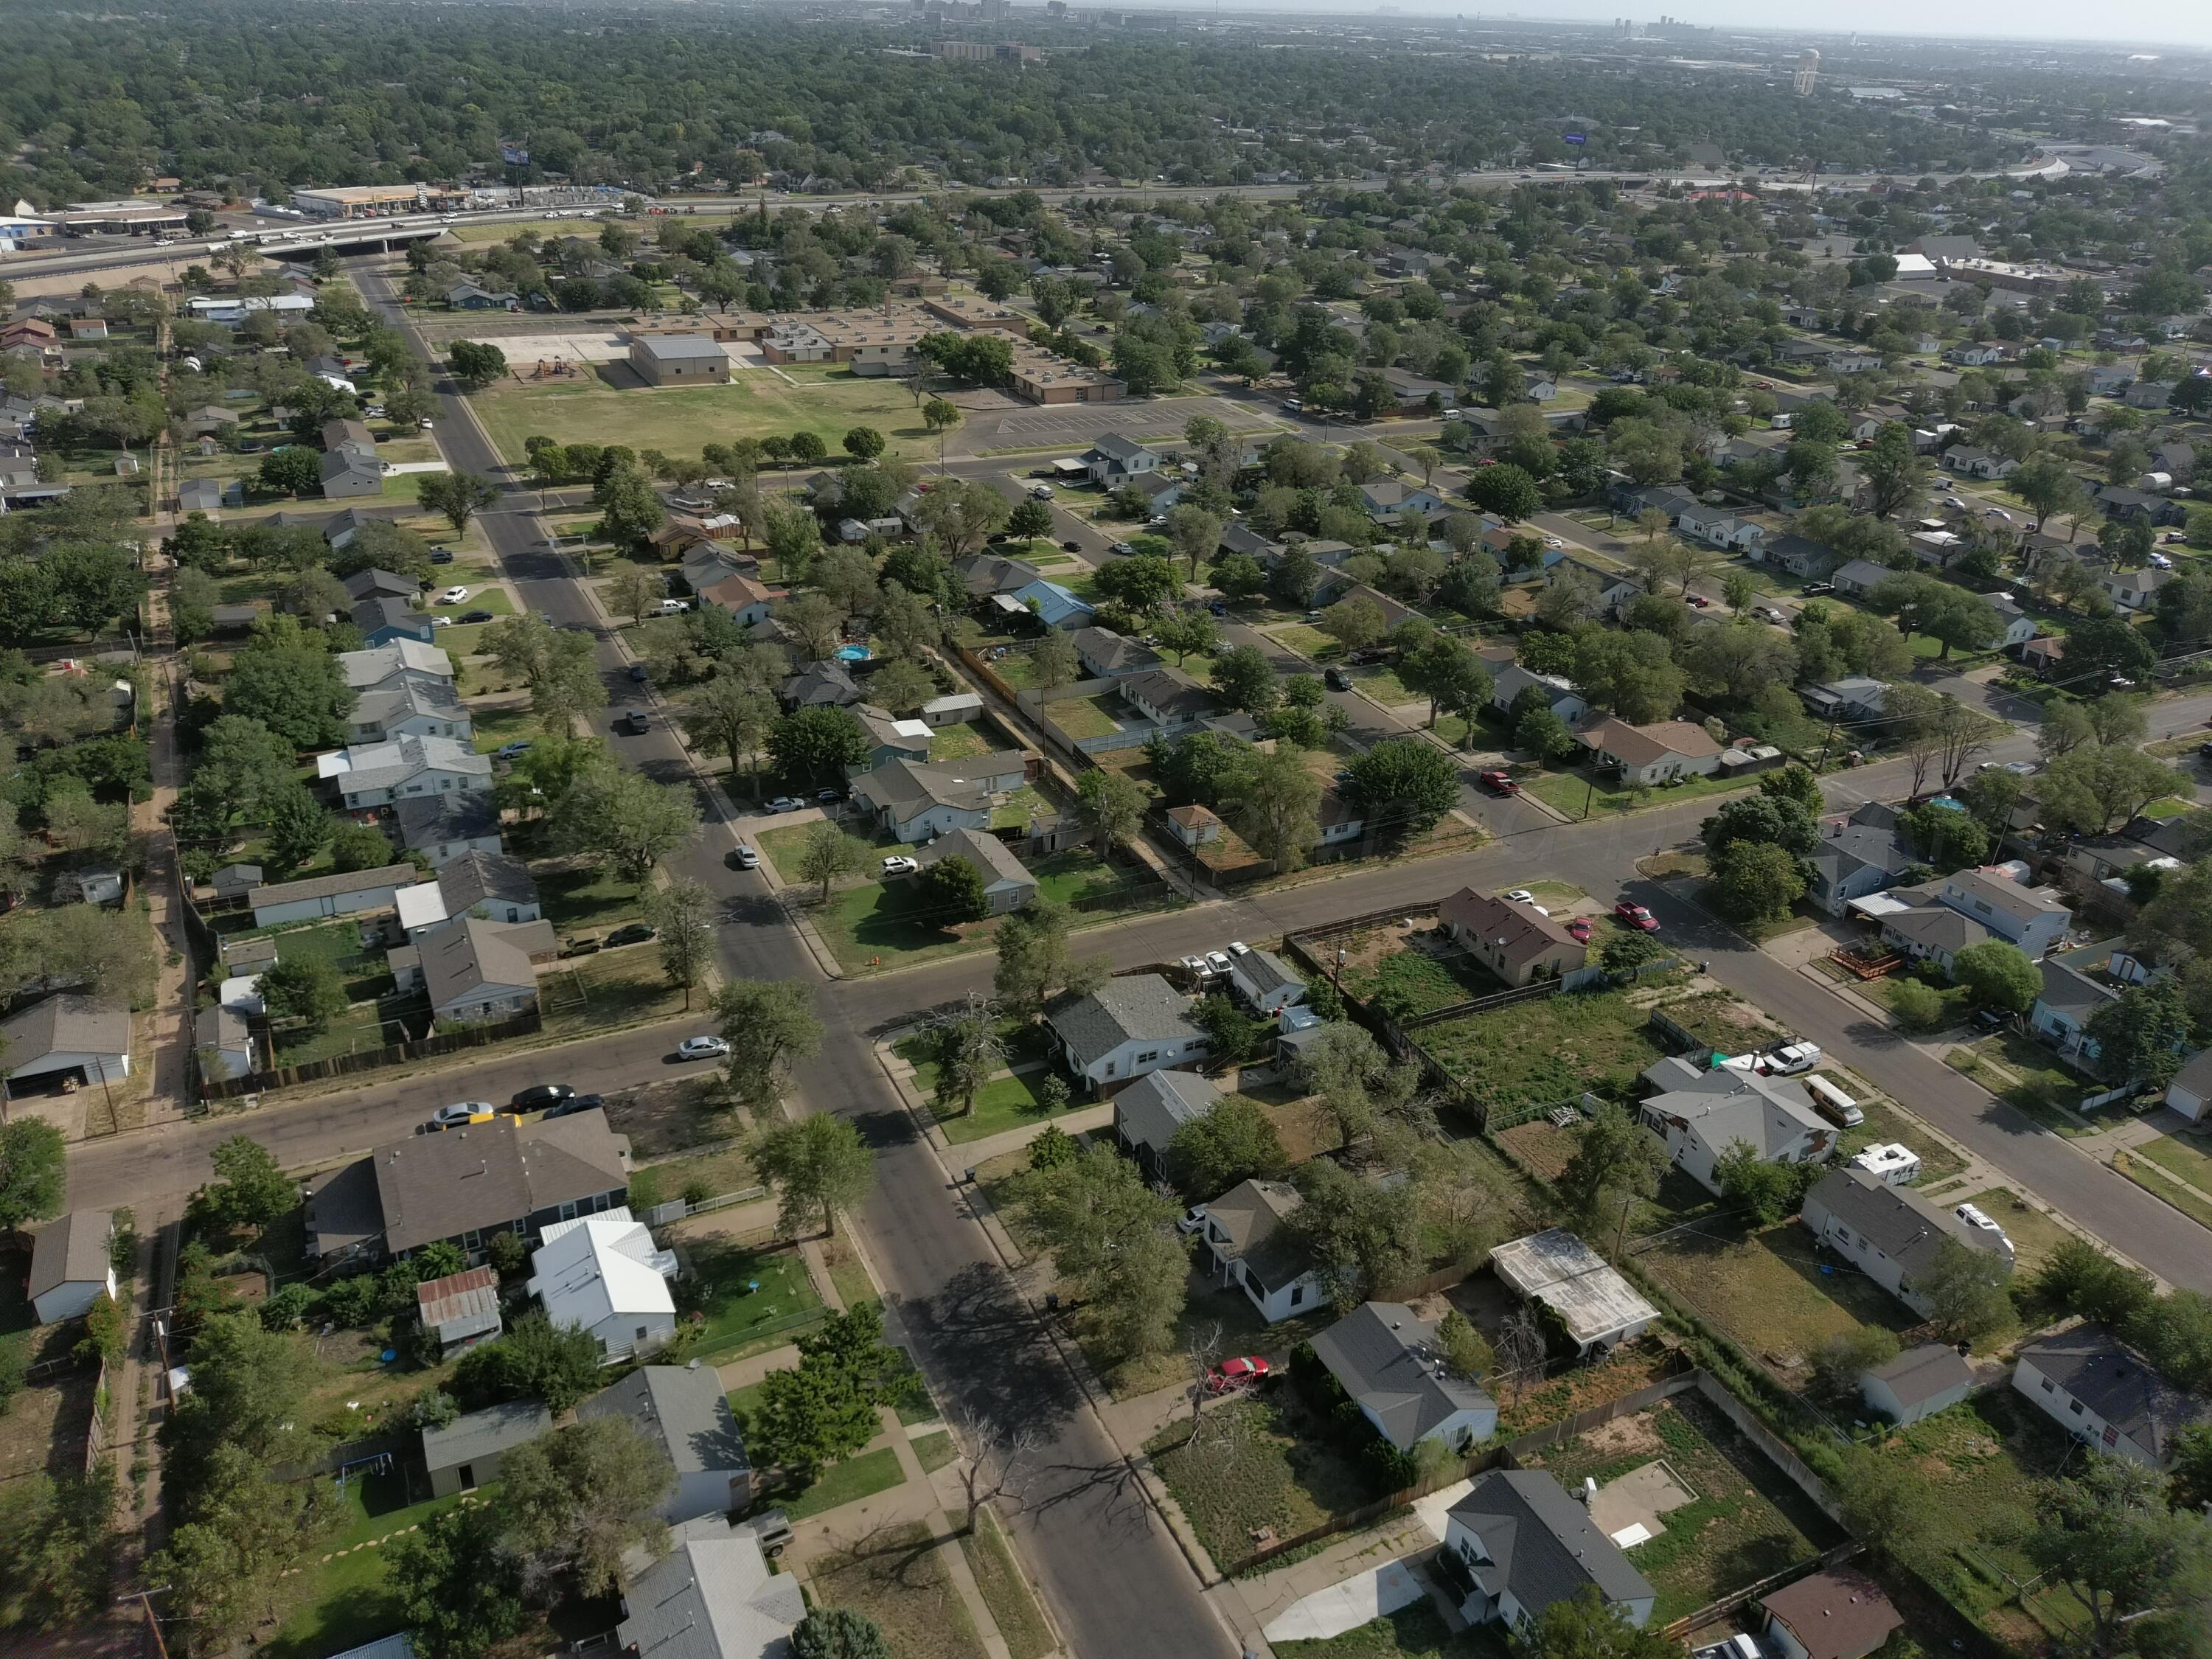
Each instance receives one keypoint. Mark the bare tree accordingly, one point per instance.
(1203, 1349)
(1520, 1349)
(995, 1462)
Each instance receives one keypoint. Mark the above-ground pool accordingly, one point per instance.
(853, 653)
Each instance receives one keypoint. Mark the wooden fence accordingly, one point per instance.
(371, 1060)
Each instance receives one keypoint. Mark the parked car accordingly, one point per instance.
(1791, 1058)
(1636, 917)
(1071, 545)
(1520, 896)
(1233, 1376)
(1237, 947)
(441, 621)
(771, 1530)
(636, 933)
(1698, 601)
(634, 721)
(1191, 1220)
(538, 1095)
(516, 750)
(1498, 782)
(1974, 1216)
(441, 556)
(1990, 1019)
(826, 796)
(638, 673)
(476, 616)
(702, 1048)
(1120, 550)
(1040, 492)
(1336, 679)
(452, 596)
(1580, 930)
(742, 857)
(1814, 590)
(573, 1104)
(1216, 962)
(584, 944)
(1195, 967)
(459, 1112)
(898, 864)
(783, 803)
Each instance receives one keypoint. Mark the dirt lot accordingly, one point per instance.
(661, 1118)
(46, 1426)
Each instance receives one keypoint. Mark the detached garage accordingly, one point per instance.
(66, 1041)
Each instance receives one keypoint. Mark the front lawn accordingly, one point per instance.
(1416, 1631)
(1569, 792)
(1006, 1102)
(742, 1298)
(626, 986)
(1306, 641)
(898, 1579)
(585, 897)
(495, 729)
(1259, 1464)
(2034, 1235)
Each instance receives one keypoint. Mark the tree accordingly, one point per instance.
(1278, 808)
(953, 890)
(1246, 680)
(1506, 490)
(823, 1408)
(1615, 1161)
(1781, 820)
(292, 470)
(1236, 1141)
(728, 716)
(817, 1166)
(2140, 1034)
(636, 591)
(1896, 473)
(838, 1633)
(556, 662)
(1030, 519)
(1754, 881)
(1404, 784)
(815, 744)
(1766, 1189)
(1144, 582)
(250, 1189)
(575, 1499)
(1362, 1236)
(863, 443)
(1838, 1363)
(2096, 787)
(1963, 1289)
(2083, 1279)
(2050, 488)
(303, 989)
(1632, 674)
(967, 1053)
(459, 495)
(632, 822)
(1355, 623)
(358, 847)
(454, 1580)
(1195, 532)
(1998, 974)
(1587, 1626)
(475, 364)
(1110, 806)
(827, 854)
(2136, 1564)
(33, 1171)
(681, 915)
(1919, 1006)
(1112, 1238)
(1185, 631)
(1449, 674)
(771, 1025)
(1034, 961)
(297, 691)
(940, 417)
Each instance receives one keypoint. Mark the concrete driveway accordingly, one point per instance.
(1357, 1601)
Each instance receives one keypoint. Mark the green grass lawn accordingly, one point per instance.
(1417, 1630)
(935, 1450)
(1411, 982)
(613, 987)
(720, 1288)
(1745, 1520)
(2181, 1156)
(1568, 790)
(344, 1602)
(363, 1027)
(1536, 1052)
(1086, 717)
(963, 739)
(1306, 641)
(755, 404)
(495, 729)
(586, 899)
(1383, 685)
(1766, 1288)
(846, 1483)
(1021, 808)
(481, 598)
(1264, 1461)
(2030, 1077)
(1004, 1103)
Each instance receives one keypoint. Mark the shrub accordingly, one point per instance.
(353, 1302)
(1918, 1006)
(287, 1310)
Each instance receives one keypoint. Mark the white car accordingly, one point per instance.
(673, 607)
(783, 803)
(1191, 1220)
(459, 1112)
(441, 621)
(1792, 1058)
(1237, 947)
(702, 1048)
(899, 865)
(747, 859)
(452, 596)
(1040, 492)
(1195, 967)
(424, 423)
(1974, 1216)
(1216, 962)
(1520, 896)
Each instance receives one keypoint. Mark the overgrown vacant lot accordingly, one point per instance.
(1256, 1464)
(678, 419)
(1536, 1052)
(1765, 1288)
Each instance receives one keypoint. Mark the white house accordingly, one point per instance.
(1654, 754)
(1115, 459)
(1892, 1234)
(2106, 1395)
(920, 800)
(379, 774)
(1129, 1026)
(1266, 982)
(319, 897)
(602, 1274)
(1703, 1115)
(2030, 917)
(408, 705)
(683, 1410)
(1007, 884)
(471, 968)
(70, 1267)
(2192, 1087)
(1253, 1249)
(1507, 684)
(1526, 1545)
(68, 1037)
(1386, 1357)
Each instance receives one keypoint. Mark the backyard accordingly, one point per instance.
(745, 1299)
(342, 1599)
(1537, 1052)
(1771, 1289)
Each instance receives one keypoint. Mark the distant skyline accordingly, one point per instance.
(2120, 26)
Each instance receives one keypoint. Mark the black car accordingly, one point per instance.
(476, 616)
(637, 672)
(1072, 546)
(441, 556)
(539, 1095)
(636, 933)
(573, 1104)
(1990, 1019)
(1336, 679)
(1814, 590)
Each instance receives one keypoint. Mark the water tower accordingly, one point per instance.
(1808, 73)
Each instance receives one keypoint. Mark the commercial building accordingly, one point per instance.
(377, 201)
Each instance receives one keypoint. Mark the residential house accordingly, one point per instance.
(347, 475)
(408, 705)
(2149, 394)
(679, 359)
(1861, 576)
(1837, 1613)
(1970, 463)
(2068, 1000)
(1850, 700)
(1977, 355)
(1106, 655)
(1252, 1248)
(2108, 1395)
(1130, 1025)
(2190, 1092)
(380, 773)
(1341, 821)
(71, 1265)
(1525, 1546)
(820, 685)
(2139, 505)
(1007, 886)
(2135, 591)
(2019, 627)
(1114, 459)
(1892, 1234)
(491, 885)
(704, 565)
(1168, 698)
(954, 708)
(1147, 1114)
(683, 1410)
(1918, 1382)
(1658, 753)
(1858, 854)
(710, 1597)
(917, 800)
(748, 601)
(460, 1309)
(984, 575)
(350, 437)
(1795, 555)
(1162, 491)
(464, 1185)
(385, 622)
(1561, 698)
(70, 1036)
(1595, 1306)
(1719, 528)
(1512, 940)
(443, 827)
(1386, 498)
(208, 494)
(2030, 917)
(466, 1452)
(1194, 825)
(365, 671)
(602, 1274)
(470, 970)
(1265, 982)
(1052, 604)
(467, 296)
(223, 1042)
(1703, 1115)
(1386, 1358)
(890, 740)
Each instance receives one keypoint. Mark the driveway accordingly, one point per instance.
(1356, 1601)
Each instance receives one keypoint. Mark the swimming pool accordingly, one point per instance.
(853, 653)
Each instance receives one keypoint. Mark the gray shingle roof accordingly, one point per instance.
(1151, 1110)
(992, 857)
(681, 1409)
(483, 1434)
(477, 877)
(1251, 1214)
(68, 1024)
(2118, 1384)
(1543, 1546)
(1921, 1373)
(711, 1598)
(2071, 993)
(315, 887)
(424, 819)
(481, 1177)
(1768, 1114)
(1265, 971)
(73, 1251)
(1900, 1223)
(1135, 1006)
(1386, 1357)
